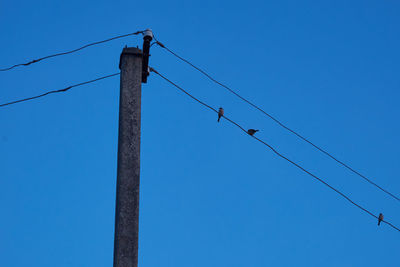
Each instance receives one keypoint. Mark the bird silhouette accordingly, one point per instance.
(252, 131)
(220, 113)
(380, 218)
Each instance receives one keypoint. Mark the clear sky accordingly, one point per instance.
(210, 196)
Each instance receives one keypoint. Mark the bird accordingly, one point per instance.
(220, 113)
(252, 131)
(380, 218)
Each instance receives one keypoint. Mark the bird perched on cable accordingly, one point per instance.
(220, 113)
(252, 131)
(380, 218)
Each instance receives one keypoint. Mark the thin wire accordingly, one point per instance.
(275, 151)
(71, 51)
(58, 91)
(278, 122)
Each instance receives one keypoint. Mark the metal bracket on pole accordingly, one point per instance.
(147, 37)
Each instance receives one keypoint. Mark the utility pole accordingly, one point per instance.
(128, 169)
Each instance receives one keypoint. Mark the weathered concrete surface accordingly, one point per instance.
(128, 170)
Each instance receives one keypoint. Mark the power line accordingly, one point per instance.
(278, 122)
(276, 152)
(71, 51)
(58, 91)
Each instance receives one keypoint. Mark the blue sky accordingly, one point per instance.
(210, 196)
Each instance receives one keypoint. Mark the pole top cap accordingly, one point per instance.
(148, 33)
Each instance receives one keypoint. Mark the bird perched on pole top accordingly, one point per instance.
(220, 113)
(380, 218)
(252, 131)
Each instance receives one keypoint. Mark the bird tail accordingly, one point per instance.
(219, 117)
(379, 222)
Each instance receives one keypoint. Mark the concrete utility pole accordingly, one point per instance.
(128, 169)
